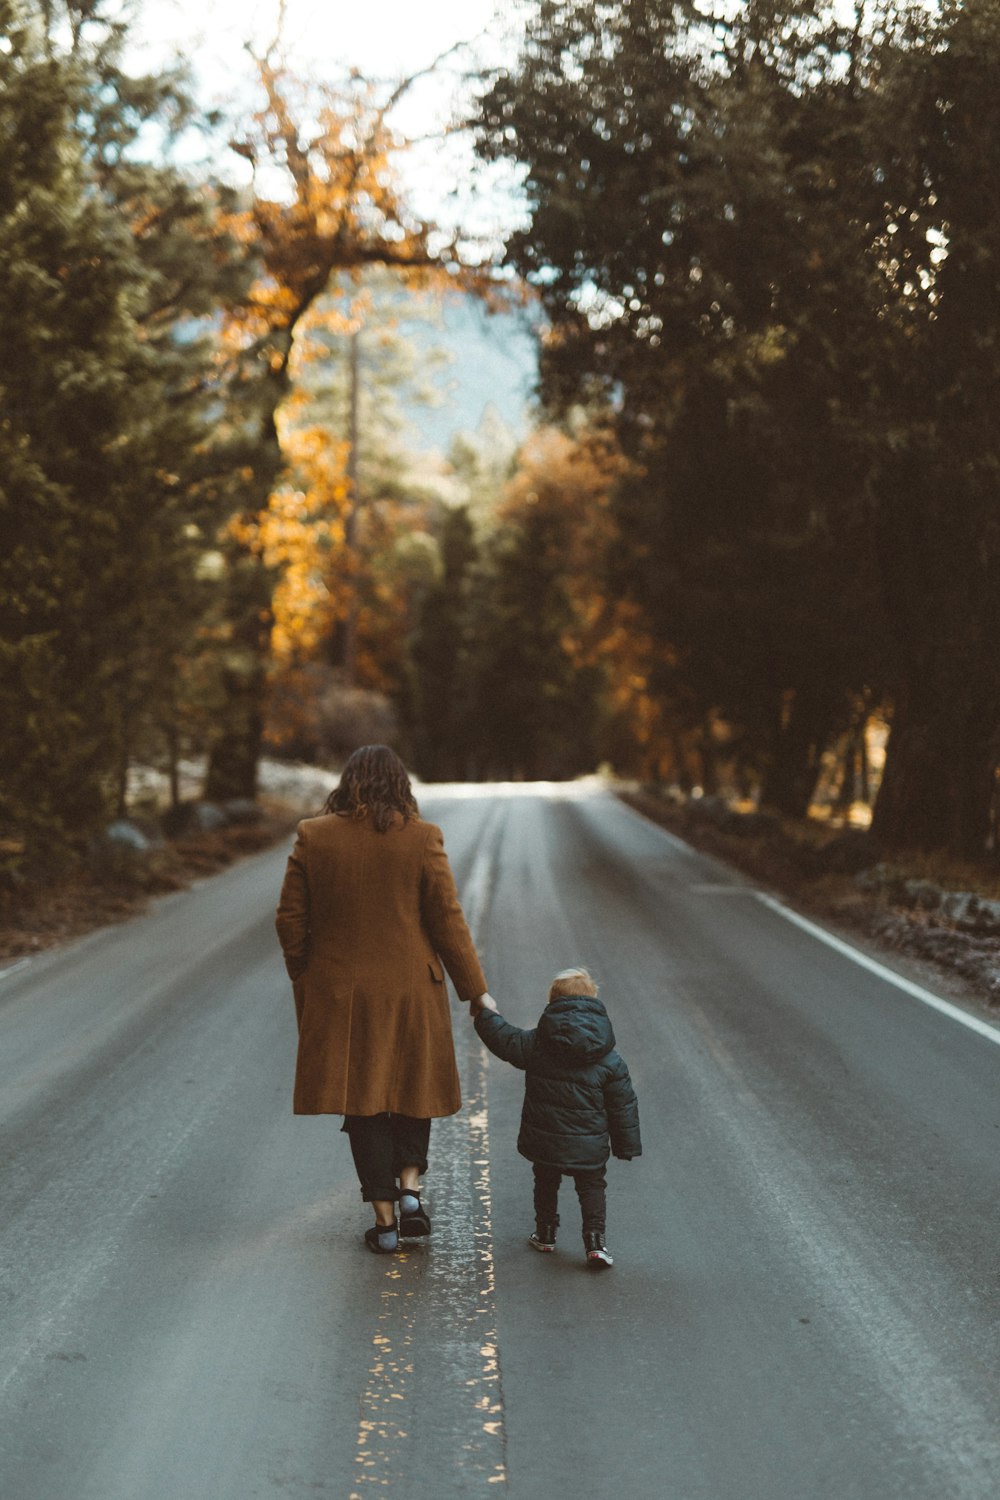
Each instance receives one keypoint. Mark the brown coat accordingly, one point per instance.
(365, 921)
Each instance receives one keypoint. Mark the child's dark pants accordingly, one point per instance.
(590, 1189)
(381, 1146)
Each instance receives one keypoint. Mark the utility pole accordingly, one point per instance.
(349, 659)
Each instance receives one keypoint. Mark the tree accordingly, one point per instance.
(63, 312)
(440, 731)
(551, 674)
(339, 210)
(688, 243)
(344, 533)
(934, 480)
(766, 241)
(111, 400)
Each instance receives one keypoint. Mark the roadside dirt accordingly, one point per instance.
(835, 878)
(36, 918)
(118, 887)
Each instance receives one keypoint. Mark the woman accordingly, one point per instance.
(368, 914)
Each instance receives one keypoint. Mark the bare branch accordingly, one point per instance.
(432, 67)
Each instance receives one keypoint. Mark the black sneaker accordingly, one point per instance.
(382, 1238)
(413, 1220)
(598, 1254)
(544, 1238)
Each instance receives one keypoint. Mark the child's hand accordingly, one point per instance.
(481, 1003)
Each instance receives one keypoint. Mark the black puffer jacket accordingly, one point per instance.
(579, 1104)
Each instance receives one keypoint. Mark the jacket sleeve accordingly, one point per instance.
(505, 1041)
(623, 1111)
(445, 922)
(292, 920)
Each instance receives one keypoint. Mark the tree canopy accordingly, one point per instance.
(760, 501)
(766, 242)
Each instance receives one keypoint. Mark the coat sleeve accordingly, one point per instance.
(292, 920)
(445, 922)
(622, 1110)
(505, 1041)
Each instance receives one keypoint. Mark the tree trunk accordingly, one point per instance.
(803, 722)
(854, 779)
(235, 754)
(864, 768)
(174, 761)
(236, 747)
(937, 787)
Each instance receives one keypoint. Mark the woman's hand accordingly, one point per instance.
(482, 1002)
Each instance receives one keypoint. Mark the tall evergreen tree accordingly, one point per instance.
(934, 487)
(115, 482)
(73, 365)
(440, 729)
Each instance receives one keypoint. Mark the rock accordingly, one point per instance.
(710, 809)
(128, 835)
(924, 895)
(848, 853)
(126, 852)
(887, 879)
(715, 810)
(243, 810)
(192, 818)
(970, 912)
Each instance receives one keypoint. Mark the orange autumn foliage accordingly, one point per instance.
(326, 200)
(573, 477)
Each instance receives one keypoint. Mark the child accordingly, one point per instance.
(579, 1104)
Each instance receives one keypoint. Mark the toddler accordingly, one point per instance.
(579, 1104)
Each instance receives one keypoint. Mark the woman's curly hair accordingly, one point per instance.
(374, 784)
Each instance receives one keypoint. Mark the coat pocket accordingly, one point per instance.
(436, 972)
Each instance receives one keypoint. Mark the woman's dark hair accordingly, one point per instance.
(374, 784)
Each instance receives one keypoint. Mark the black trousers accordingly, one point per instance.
(381, 1146)
(591, 1189)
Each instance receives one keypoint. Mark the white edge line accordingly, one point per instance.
(22, 963)
(973, 1023)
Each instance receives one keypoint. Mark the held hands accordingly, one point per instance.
(481, 1003)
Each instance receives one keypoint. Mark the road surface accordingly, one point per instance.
(806, 1294)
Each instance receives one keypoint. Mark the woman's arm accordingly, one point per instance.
(292, 919)
(445, 921)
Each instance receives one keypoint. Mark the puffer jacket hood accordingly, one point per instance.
(577, 1028)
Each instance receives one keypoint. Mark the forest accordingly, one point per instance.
(758, 512)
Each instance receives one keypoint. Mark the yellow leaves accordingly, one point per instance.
(326, 319)
(562, 487)
(243, 530)
(301, 535)
(334, 200)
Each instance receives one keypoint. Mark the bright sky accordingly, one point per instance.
(385, 39)
(388, 37)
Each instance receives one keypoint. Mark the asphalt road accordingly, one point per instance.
(805, 1296)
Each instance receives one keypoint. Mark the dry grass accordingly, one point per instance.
(788, 857)
(980, 876)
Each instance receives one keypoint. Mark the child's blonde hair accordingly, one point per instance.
(575, 981)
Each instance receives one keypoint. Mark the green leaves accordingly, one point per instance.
(111, 475)
(767, 240)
